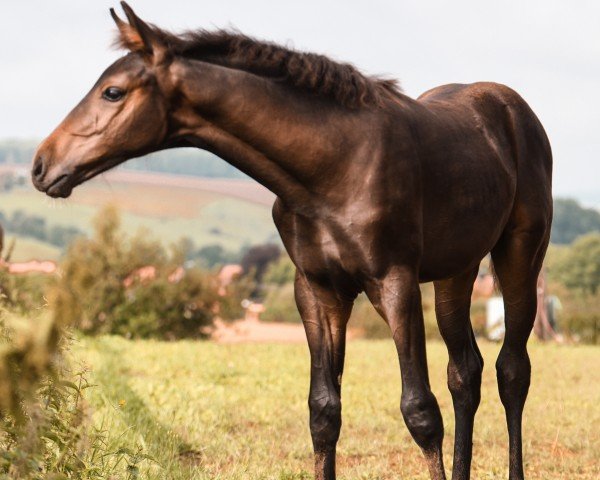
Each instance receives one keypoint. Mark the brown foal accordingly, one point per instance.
(377, 192)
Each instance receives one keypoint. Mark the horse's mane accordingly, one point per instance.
(308, 71)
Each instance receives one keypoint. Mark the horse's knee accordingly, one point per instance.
(325, 420)
(422, 417)
(464, 382)
(513, 370)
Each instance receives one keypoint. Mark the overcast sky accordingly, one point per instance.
(51, 52)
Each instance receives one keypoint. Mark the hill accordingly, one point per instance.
(232, 213)
(571, 220)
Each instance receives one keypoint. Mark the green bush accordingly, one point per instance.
(45, 423)
(573, 274)
(281, 271)
(110, 283)
(579, 315)
(23, 293)
(578, 266)
(230, 304)
(165, 309)
(280, 305)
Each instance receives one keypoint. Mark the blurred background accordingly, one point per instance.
(180, 245)
(544, 50)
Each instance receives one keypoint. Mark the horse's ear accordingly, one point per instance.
(137, 36)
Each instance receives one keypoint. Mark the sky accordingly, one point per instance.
(51, 53)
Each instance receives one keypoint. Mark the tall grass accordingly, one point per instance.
(46, 428)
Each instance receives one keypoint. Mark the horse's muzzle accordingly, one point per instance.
(55, 184)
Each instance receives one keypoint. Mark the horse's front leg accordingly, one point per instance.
(325, 317)
(397, 298)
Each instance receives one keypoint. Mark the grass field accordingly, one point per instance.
(208, 411)
(168, 213)
(31, 249)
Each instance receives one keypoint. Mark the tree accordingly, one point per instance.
(212, 255)
(572, 220)
(258, 258)
(35, 226)
(578, 267)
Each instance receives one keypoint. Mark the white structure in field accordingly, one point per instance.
(495, 318)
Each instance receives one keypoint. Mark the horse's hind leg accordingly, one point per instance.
(517, 261)
(452, 308)
(325, 317)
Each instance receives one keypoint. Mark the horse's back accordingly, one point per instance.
(498, 109)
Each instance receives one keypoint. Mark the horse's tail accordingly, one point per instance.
(492, 270)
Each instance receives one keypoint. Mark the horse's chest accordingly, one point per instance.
(334, 250)
(343, 247)
(324, 250)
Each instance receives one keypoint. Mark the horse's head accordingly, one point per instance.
(123, 116)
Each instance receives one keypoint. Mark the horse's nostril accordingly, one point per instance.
(38, 168)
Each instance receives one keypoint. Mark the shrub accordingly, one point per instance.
(578, 266)
(281, 271)
(578, 315)
(280, 305)
(165, 309)
(22, 293)
(131, 286)
(230, 304)
(45, 425)
(213, 255)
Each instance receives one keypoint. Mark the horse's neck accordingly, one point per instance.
(273, 135)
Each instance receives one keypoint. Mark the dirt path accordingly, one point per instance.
(252, 331)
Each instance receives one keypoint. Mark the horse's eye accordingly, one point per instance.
(113, 94)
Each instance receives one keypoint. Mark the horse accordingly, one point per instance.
(376, 193)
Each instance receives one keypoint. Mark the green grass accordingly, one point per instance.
(207, 411)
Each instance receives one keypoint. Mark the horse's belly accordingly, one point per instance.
(456, 237)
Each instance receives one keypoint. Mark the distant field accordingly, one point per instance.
(31, 249)
(218, 216)
(207, 411)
